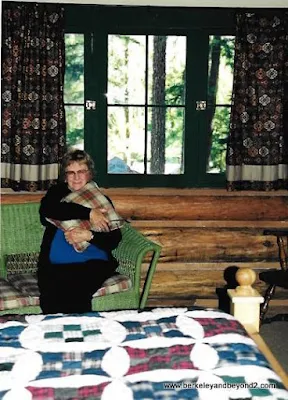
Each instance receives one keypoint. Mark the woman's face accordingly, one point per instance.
(77, 175)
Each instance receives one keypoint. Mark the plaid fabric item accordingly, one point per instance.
(167, 327)
(10, 297)
(83, 393)
(96, 352)
(168, 390)
(26, 284)
(71, 333)
(21, 263)
(219, 326)
(89, 196)
(115, 284)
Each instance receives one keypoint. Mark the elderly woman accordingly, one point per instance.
(67, 277)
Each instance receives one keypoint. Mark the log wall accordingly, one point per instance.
(205, 235)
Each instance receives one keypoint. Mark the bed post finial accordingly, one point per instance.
(245, 301)
(246, 277)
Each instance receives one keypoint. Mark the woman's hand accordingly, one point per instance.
(77, 235)
(98, 219)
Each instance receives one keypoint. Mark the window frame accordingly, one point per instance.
(193, 23)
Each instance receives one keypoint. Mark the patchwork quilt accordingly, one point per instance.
(161, 353)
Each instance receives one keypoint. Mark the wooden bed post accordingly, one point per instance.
(245, 301)
(245, 306)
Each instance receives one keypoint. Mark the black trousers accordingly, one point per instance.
(68, 288)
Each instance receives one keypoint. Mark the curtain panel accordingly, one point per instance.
(257, 151)
(33, 115)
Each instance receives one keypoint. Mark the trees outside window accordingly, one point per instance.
(74, 89)
(219, 95)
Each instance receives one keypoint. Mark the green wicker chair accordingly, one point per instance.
(21, 234)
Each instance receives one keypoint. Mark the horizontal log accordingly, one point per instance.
(193, 267)
(198, 284)
(17, 198)
(209, 293)
(202, 286)
(159, 191)
(179, 204)
(210, 224)
(212, 303)
(201, 208)
(191, 245)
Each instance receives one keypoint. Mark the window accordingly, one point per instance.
(151, 104)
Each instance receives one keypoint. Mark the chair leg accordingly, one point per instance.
(268, 296)
(149, 276)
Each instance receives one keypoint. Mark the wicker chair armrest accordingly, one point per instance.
(21, 231)
(131, 252)
(133, 245)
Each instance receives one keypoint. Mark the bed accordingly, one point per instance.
(158, 353)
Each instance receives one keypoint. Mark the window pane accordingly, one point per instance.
(126, 69)
(74, 89)
(126, 140)
(220, 129)
(74, 69)
(220, 82)
(165, 140)
(167, 68)
(75, 126)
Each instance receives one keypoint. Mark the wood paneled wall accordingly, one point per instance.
(205, 234)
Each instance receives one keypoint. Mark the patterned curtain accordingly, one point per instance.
(257, 152)
(33, 117)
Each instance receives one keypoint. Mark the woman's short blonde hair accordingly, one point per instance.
(76, 155)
